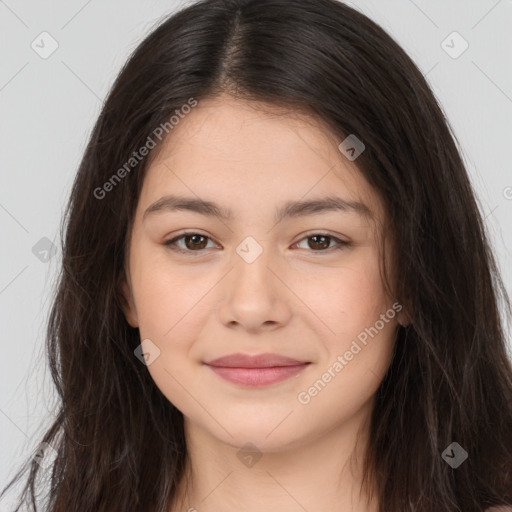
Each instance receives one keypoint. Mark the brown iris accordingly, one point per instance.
(322, 244)
(196, 242)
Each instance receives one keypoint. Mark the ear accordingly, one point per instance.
(128, 303)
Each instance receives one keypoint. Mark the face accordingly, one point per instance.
(259, 273)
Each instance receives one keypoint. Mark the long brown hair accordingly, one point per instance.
(119, 443)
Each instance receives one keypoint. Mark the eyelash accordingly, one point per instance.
(341, 243)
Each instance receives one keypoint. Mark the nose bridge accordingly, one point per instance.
(253, 298)
(251, 262)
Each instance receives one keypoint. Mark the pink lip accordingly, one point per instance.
(256, 370)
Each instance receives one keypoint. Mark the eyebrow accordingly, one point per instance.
(290, 209)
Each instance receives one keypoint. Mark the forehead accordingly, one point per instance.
(243, 154)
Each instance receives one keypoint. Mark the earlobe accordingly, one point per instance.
(128, 304)
(403, 319)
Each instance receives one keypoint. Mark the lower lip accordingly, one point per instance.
(258, 376)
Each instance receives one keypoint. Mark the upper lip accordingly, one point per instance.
(255, 361)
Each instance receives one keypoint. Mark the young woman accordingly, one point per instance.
(277, 291)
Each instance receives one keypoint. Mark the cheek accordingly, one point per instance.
(361, 323)
(169, 299)
(171, 314)
(347, 298)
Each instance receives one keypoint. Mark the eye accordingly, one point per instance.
(320, 242)
(196, 242)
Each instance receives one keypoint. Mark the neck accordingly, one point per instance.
(318, 474)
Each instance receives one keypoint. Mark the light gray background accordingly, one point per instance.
(47, 110)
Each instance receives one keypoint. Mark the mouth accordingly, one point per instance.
(257, 370)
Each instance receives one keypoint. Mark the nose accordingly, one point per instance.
(254, 297)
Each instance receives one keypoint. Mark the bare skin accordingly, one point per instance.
(300, 297)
